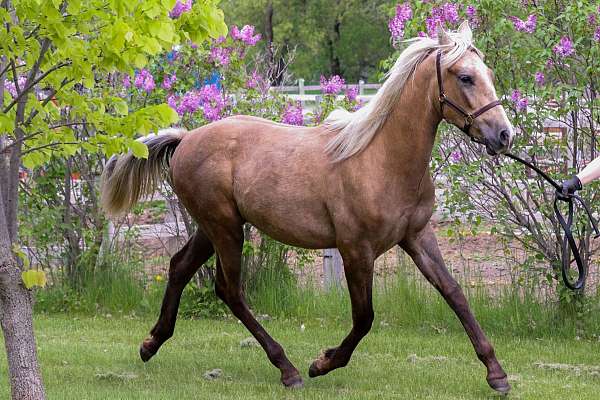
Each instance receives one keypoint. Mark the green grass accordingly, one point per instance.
(96, 358)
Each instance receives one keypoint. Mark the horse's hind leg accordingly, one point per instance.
(228, 244)
(358, 268)
(183, 266)
(423, 248)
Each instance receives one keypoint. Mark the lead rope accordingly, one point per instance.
(568, 242)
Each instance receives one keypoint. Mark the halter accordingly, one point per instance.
(444, 99)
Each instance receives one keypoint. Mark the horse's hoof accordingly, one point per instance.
(293, 382)
(500, 385)
(314, 371)
(145, 353)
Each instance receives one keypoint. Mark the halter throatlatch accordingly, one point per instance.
(444, 99)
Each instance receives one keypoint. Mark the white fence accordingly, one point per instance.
(299, 91)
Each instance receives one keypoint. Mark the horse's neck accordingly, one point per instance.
(405, 142)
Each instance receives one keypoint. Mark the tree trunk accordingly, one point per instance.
(16, 320)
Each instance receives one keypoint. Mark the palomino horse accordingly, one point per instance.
(360, 183)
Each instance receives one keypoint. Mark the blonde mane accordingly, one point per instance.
(354, 131)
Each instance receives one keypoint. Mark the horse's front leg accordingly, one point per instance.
(358, 268)
(423, 248)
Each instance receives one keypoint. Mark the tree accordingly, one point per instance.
(52, 55)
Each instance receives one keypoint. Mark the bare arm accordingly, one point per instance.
(590, 172)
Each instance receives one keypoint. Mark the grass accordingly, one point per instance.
(96, 358)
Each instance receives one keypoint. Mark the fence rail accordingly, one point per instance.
(301, 88)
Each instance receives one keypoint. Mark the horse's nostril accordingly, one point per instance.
(504, 137)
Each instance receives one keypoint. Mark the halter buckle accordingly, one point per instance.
(442, 98)
(469, 120)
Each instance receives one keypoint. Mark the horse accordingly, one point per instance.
(360, 182)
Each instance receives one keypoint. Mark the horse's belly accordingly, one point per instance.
(298, 220)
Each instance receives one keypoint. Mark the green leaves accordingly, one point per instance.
(139, 149)
(34, 277)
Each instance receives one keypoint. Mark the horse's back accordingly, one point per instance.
(275, 175)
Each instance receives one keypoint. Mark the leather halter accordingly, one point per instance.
(444, 99)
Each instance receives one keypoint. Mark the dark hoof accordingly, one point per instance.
(500, 385)
(293, 382)
(314, 371)
(147, 350)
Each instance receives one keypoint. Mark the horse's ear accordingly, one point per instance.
(465, 31)
(444, 38)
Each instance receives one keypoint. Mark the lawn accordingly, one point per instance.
(96, 358)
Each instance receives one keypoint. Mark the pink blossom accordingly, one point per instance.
(144, 80)
(12, 88)
(255, 81)
(292, 114)
(352, 93)
(212, 101)
(220, 55)
(540, 78)
(181, 6)
(527, 26)
(246, 34)
(519, 101)
(450, 12)
(333, 85)
(396, 24)
(169, 81)
(455, 156)
(564, 48)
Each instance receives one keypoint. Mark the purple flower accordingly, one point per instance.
(144, 80)
(471, 12)
(212, 101)
(333, 85)
(292, 114)
(597, 34)
(255, 81)
(592, 19)
(540, 78)
(220, 56)
(564, 48)
(396, 24)
(172, 101)
(527, 26)
(126, 82)
(432, 23)
(455, 156)
(169, 81)
(12, 88)
(246, 34)
(181, 6)
(450, 12)
(519, 101)
(352, 94)
(421, 34)
(190, 102)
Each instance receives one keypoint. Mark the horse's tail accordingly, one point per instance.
(126, 178)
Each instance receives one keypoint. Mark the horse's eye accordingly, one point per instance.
(466, 79)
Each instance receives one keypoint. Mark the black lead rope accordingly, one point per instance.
(568, 239)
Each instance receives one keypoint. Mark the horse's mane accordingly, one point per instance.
(354, 131)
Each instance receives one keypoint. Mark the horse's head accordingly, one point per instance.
(467, 96)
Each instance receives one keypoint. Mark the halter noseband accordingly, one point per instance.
(444, 99)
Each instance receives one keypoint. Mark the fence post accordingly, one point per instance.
(361, 87)
(333, 268)
(301, 86)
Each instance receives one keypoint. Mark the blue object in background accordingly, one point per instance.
(213, 79)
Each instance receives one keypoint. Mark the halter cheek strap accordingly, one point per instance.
(444, 99)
